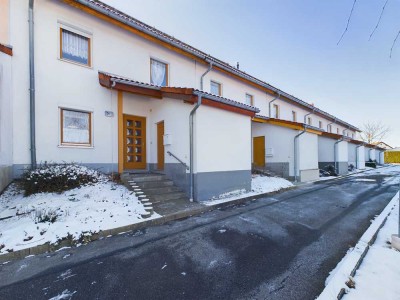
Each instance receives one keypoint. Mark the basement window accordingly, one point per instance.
(75, 47)
(76, 127)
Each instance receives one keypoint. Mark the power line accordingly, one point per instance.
(348, 22)
(379, 20)
(394, 43)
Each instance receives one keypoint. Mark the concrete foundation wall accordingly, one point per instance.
(211, 184)
(5, 176)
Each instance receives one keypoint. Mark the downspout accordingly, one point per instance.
(270, 102)
(295, 151)
(191, 133)
(327, 126)
(32, 86)
(306, 115)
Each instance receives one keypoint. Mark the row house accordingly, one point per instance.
(84, 82)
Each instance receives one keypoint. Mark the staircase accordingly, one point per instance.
(155, 191)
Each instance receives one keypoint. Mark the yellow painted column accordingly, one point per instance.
(120, 132)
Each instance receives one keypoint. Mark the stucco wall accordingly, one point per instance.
(279, 141)
(326, 149)
(6, 136)
(223, 140)
(308, 152)
(352, 148)
(4, 21)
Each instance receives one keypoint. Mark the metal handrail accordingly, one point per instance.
(181, 161)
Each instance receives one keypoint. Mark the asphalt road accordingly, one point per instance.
(278, 247)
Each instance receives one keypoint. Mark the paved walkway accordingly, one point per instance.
(278, 247)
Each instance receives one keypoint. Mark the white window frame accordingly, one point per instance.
(251, 99)
(77, 30)
(61, 144)
(167, 64)
(220, 87)
(294, 116)
(320, 125)
(309, 121)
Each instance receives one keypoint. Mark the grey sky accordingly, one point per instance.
(292, 44)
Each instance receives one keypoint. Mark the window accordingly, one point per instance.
(344, 131)
(294, 116)
(320, 124)
(337, 130)
(158, 73)
(215, 88)
(74, 47)
(249, 99)
(352, 136)
(76, 127)
(275, 111)
(309, 121)
(329, 128)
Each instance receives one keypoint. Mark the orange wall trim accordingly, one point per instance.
(6, 49)
(120, 132)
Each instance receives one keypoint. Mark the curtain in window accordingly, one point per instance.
(75, 47)
(158, 73)
(76, 127)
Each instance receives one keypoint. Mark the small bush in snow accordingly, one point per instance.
(44, 216)
(57, 178)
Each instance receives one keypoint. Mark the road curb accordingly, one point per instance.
(349, 175)
(47, 247)
(348, 266)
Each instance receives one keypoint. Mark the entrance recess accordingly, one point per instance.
(259, 151)
(134, 142)
(160, 145)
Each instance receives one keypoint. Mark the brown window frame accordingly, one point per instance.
(89, 64)
(62, 143)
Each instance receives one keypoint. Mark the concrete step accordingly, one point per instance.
(161, 190)
(174, 206)
(145, 178)
(155, 184)
(166, 197)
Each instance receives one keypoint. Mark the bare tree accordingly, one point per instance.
(374, 132)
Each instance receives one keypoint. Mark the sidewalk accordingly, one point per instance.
(370, 270)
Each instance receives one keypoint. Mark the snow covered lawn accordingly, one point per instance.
(259, 185)
(49, 217)
(379, 274)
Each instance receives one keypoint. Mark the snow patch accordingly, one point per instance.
(66, 294)
(259, 185)
(78, 213)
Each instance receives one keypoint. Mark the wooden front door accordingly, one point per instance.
(160, 145)
(134, 142)
(259, 151)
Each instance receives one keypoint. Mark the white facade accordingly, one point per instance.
(6, 137)
(223, 141)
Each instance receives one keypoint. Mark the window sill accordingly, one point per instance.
(75, 63)
(76, 146)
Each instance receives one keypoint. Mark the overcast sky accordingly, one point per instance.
(292, 44)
